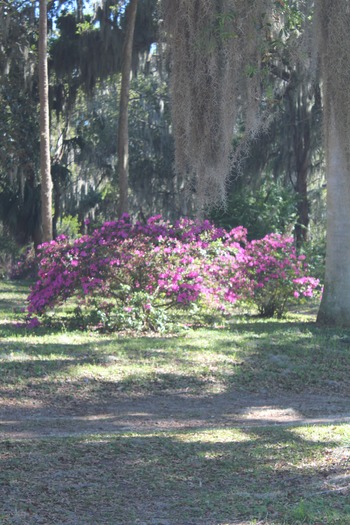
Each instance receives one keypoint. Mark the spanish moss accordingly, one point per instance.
(216, 56)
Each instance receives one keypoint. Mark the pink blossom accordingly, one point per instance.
(177, 263)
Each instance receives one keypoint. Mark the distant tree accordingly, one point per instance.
(123, 131)
(121, 33)
(45, 157)
(19, 122)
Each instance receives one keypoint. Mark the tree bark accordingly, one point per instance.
(45, 161)
(123, 131)
(335, 304)
(334, 26)
(302, 155)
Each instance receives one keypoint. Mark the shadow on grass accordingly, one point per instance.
(179, 478)
(229, 371)
(13, 295)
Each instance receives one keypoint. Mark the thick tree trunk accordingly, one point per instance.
(45, 162)
(333, 24)
(335, 305)
(123, 131)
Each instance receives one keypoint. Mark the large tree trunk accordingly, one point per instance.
(335, 305)
(45, 162)
(123, 131)
(333, 24)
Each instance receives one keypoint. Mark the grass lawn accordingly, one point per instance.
(117, 429)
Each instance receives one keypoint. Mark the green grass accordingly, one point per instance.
(199, 475)
(291, 355)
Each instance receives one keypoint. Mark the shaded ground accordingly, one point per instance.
(170, 412)
(229, 459)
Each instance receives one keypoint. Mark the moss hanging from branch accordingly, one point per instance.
(217, 50)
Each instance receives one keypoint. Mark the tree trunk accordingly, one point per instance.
(302, 156)
(45, 162)
(335, 304)
(333, 24)
(57, 207)
(123, 131)
(299, 163)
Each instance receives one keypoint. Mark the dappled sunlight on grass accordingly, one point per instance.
(333, 433)
(215, 435)
(214, 476)
(259, 355)
(156, 429)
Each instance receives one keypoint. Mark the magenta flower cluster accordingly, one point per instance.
(169, 265)
(277, 273)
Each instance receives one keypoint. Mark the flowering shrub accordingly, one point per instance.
(276, 274)
(128, 275)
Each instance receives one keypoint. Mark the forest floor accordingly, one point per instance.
(246, 423)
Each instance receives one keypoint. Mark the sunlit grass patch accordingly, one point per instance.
(331, 433)
(245, 353)
(215, 435)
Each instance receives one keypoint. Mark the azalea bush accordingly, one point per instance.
(277, 274)
(129, 275)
